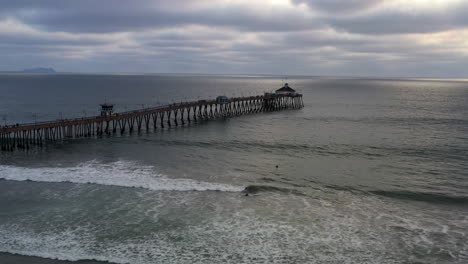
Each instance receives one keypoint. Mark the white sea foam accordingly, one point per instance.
(120, 173)
(239, 239)
(65, 245)
(308, 232)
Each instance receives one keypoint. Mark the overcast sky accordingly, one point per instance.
(417, 38)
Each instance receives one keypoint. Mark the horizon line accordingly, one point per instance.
(238, 74)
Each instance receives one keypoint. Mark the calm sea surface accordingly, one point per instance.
(369, 171)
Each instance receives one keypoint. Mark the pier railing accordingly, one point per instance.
(22, 136)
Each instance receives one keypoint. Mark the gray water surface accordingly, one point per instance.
(369, 171)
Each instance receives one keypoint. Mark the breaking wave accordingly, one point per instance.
(120, 173)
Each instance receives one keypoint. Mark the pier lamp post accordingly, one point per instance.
(35, 118)
(4, 120)
(61, 116)
(84, 112)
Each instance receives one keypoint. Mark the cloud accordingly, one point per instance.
(402, 21)
(368, 37)
(358, 16)
(118, 15)
(340, 6)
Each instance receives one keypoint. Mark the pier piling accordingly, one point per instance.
(23, 136)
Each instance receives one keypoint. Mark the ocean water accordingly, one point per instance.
(369, 171)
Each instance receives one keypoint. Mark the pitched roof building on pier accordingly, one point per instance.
(286, 90)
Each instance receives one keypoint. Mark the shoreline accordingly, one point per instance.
(9, 258)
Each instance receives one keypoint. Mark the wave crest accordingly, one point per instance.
(120, 173)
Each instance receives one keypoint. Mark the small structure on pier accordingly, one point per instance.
(107, 109)
(286, 90)
(22, 136)
(222, 100)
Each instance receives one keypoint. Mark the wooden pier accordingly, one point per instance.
(24, 136)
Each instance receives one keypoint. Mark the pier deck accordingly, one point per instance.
(23, 136)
